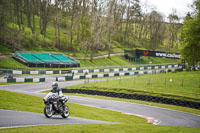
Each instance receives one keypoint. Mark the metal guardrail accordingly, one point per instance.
(21, 80)
(118, 73)
(83, 70)
(120, 66)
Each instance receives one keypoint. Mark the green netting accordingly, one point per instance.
(62, 58)
(29, 57)
(46, 58)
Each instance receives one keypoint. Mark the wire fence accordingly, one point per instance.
(139, 80)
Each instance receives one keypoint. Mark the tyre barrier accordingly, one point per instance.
(149, 98)
(21, 80)
(36, 72)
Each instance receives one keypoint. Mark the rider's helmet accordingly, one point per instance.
(54, 86)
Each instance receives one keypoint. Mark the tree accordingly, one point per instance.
(30, 12)
(73, 13)
(56, 23)
(190, 35)
(173, 28)
(135, 14)
(98, 26)
(157, 29)
(111, 25)
(45, 8)
(3, 25)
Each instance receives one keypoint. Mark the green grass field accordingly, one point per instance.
(11, 63)
(183, 85)
(127, 123)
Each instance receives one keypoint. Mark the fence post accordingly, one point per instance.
(148, 83)
(182, 83)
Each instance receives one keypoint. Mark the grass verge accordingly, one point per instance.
(183, 85)
(166, 106)
(100, 128)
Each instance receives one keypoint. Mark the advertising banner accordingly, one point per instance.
(157, 54)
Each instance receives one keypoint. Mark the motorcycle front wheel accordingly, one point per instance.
(65, 112)
(48, 112)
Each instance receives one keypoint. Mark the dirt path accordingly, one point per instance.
(101, 56)
(5, 56)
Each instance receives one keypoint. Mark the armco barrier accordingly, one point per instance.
(100, 75)
(21, 80)
(9, 71)
(164, 100)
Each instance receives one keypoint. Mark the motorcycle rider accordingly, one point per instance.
(58, 91)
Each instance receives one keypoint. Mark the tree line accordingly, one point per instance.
(88, 26)
(190, 35)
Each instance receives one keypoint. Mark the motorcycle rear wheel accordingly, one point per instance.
(47, 112)
(65, 112)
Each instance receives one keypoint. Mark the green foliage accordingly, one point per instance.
(5, 50)
(190, 33)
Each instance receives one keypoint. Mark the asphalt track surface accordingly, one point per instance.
(158, 116)
(11, 118)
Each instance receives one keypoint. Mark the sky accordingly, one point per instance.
(165, 6)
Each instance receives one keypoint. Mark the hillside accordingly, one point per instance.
(74, 30)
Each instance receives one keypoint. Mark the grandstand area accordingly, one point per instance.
(50, 60)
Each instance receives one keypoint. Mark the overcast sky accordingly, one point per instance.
(165, 6)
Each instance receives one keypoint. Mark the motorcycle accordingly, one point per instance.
(55, 105)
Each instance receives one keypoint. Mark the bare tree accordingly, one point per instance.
(57, 22)
(173, 28)
(111, 24)
(156, 29)
(128, 4)
(45, 11)
(97, 27)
